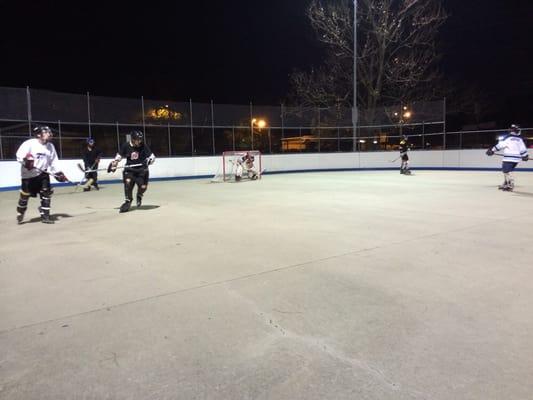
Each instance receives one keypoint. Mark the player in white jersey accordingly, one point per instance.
(514, 151)
(39, 160)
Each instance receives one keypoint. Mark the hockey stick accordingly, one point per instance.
(109, 169)
(106, 169)
(83, 182)
(91, 169)
(396, 159)
(48, 173)
(503, 155)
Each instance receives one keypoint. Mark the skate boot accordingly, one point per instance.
(506, 187)
(96, 186)
(87, 189)
(20, 217)
(45, 219)
(125, 207)
(45, 216)
(139, 200)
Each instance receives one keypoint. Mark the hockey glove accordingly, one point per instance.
(525, 158)
(112, 167)
(489, 152)
(60, 177)
(28, 162)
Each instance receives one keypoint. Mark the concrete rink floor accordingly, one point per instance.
(345, 285)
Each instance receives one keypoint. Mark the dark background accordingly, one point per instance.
(237, 51)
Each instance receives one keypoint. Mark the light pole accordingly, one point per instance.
(355, 116)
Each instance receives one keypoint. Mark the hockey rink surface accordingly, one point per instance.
(339, 285)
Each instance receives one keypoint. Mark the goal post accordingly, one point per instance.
(248, 163)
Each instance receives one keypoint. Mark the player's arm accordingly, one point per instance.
(523, 151)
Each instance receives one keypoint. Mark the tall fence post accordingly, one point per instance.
(444, 119)
(1, 147)
(213, 125)
(282, 124)
(28, 107)
(319, 130)
(118, 137)
(233, 136)
(423, 135)
(89, 113)
(252, 125)
(142, 107)
(60, 139)
(192, 130)
(169, 142)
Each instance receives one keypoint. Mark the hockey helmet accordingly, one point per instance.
(137, 135)
(40, 129)
(515, 130)
(90, 141)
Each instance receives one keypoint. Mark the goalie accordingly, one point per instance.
(246, 165)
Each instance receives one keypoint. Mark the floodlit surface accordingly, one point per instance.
(300, 286)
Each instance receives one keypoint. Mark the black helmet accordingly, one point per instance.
(137, 135)
(40, 129)
(515, 129)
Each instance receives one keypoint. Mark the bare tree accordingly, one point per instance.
(396, 52)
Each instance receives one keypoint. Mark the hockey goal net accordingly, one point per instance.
(237, 165)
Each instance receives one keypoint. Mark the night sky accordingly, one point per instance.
(237, 51)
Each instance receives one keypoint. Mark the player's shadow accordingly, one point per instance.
(141, 208)
(54, 217)
(146, 207)
(526, 194)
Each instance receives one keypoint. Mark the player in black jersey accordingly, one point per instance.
(404, 148)
(91, 157)
(139, 156)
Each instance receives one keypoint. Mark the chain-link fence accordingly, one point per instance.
(194, 129)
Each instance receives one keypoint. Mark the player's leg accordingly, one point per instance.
(507, 168)
(128, 190)
(95, 180)
(23, 200)
(46, 198)
(142, 185)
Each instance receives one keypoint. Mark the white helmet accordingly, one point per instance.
(515, 130)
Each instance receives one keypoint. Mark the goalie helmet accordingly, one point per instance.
(515, 130)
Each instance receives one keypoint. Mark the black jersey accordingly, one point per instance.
(135, 155)
(90, 156)
(404, 147)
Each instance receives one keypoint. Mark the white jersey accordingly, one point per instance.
(513, 148)
(44, 156)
